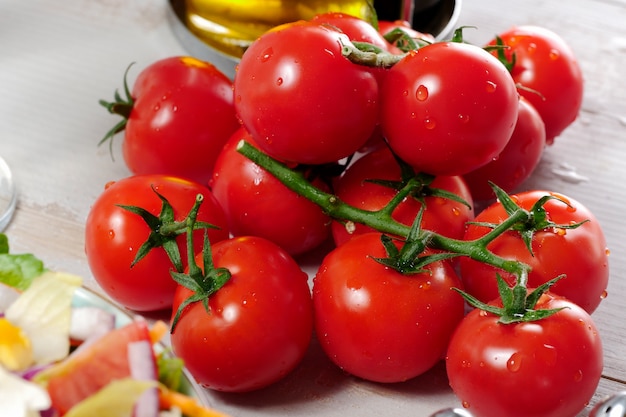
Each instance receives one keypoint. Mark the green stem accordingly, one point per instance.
(369, 58)
(381, 220)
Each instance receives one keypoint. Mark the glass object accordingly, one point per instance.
(230, 26)
(8, 194)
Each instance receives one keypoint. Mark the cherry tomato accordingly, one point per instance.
(114, 235)
(357, 29)
(259, 324)
(301, 99)
(442, 215)
(386, 26)
(547, 68)
(258, 204)
(182, 115)
(518, 159)
(443, 120)
(581, 254)
(549, 367)
(378, 324)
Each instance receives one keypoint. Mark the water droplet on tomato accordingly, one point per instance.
(430, 123)
(554, 54)
(491, 87)
(111, 234)
(578, 376)
(549, 355)
(515, 362)
(267, 54)
(531, 48)
(456, 211)
(604, 294)
(279, 81)
(425, 285)
(405, 93)
(607, 251)
(465, 404)
(464, 118)
(421, 93)
(108, 184)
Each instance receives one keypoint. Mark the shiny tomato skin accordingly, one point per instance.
(182, 115)
(113, 236)
(549, 368)
(259, 324)
(448, 108)
(518, 159)
(301, 99)
(441, 215)
(256, 203)
(378, 324)
(357, 29)
(581, 254)
(549, 71)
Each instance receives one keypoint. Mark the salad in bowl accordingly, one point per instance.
(65, 351)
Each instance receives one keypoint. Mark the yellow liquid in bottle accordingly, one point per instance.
(229, 26)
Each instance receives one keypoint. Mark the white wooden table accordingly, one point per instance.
(58, 58)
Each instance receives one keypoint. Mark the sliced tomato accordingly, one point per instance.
(94, 366)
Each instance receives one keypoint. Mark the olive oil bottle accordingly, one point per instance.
(229, 26)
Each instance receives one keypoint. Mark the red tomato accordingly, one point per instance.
(258, 204)
(549, 368)
(259, 323)
(386, 26)
(113, 236)
(548, 69)
(301, 99)
(357, 29)
(581, 254)
(518, 159)
(380, 325)
(441, 215)
(448, 108)
(95, 366)
(182, 115)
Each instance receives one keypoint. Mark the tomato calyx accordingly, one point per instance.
(517, 302)
(416, 185)
(403, 41)
(500, 47)
(537, 220)
(408, 259)
(202, 281)
(163, 231)
(121, 106)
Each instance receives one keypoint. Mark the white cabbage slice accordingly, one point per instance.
(21, 398)
(44, 312)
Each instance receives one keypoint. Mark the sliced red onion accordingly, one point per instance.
(30, 373)
(90, 322)
(143, 367)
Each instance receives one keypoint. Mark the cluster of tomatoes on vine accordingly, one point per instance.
(413, 130)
